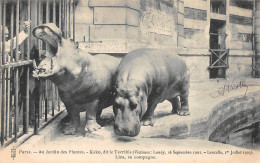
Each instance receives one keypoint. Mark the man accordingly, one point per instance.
(22, 36)
(9, 74)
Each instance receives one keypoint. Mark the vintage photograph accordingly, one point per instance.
(130, 81)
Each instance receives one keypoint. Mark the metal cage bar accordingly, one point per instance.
(18, 114)
(17, 72)
(2, 80)
(26, 113)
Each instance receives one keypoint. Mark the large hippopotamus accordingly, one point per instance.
(84, 81)
(144, 78)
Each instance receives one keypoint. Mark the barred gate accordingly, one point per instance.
(28, 104)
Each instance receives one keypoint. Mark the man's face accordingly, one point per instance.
(6, 33)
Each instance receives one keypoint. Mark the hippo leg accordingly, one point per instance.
(184, 98)
(147, 119)
(176, 106)
(91, 114)
(184, 106)
(66, 119)
(72, 120)
(72, 127)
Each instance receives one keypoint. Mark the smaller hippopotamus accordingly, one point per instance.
(144, 78)
(84, 81)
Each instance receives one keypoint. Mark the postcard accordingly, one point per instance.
(130, 81)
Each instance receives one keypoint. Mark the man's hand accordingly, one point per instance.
(26, 25)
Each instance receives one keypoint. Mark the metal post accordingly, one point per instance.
(53, 85)
(11, 59)
(54, 12)
(2, 75)
(253, 39)
(47, 11)
(65, 18)
(26, 113)
(60, 14)
(74, 10)
(69, 18)
(257, 38)
(16, 72)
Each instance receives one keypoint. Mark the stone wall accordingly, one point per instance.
(196, 27)
(158, 23)
(120, 26)
(104, 26)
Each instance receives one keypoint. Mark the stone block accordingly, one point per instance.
(132, 32)
(180, 41)
(116, 15)
(181, 7)
(181, 30)
(135, 4)
(109, 15)
(133, 17)
(82, 32)
(180, 18)
(110, 46)
(96, 3)
(84, 15)
(83, 3)
(107, 32)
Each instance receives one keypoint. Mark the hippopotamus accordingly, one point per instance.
(84, 81)
(144, 78)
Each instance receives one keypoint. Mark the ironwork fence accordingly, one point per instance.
(28, 104)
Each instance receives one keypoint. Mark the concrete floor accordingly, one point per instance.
(167, 135)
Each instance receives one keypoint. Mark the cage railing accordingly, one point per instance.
(28, 104)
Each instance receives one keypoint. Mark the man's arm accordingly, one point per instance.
(22, 36)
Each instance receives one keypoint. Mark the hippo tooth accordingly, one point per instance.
(34, 64)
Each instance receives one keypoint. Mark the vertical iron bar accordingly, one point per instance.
(47, 11)
(65, 18)
(16, 71)
(38, 102)
(3, 31)
(2, 70)
(53, 86)
(253, 40)
(26, 112)
(46, 81)
(54, 12)
(12, 71)
(60, 14)
(46, 100)
(74, 37)
(69, 18)
(53, 99)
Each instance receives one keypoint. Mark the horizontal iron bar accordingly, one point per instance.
(16, 64)
(217, 50)
(212, 67)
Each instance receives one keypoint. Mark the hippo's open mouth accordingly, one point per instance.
(45, 69)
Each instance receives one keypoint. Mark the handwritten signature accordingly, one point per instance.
(228, 87)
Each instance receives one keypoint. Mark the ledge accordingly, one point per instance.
(134, 4)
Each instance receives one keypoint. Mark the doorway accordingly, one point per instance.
(219, 53)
